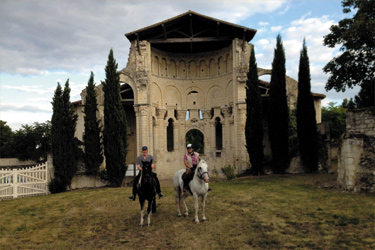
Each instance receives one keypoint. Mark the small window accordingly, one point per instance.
(170, 145)
(218, 154)
(219, 134)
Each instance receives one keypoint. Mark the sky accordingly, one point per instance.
(46, 42)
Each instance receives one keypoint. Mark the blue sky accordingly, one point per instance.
(45, 42)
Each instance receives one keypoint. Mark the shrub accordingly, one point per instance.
(228, 171)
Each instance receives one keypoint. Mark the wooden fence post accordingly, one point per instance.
(15, 184)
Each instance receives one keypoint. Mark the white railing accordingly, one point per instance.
(23, 182)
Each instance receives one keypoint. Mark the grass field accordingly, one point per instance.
(271, 212)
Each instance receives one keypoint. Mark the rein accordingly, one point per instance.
(201, 174)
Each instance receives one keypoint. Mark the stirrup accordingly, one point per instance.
(132, 197)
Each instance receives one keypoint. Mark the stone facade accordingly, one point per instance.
(168, 92)
(356, 157)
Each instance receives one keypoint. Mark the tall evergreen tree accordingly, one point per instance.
(93, 156)
(278, 114)
(306, 119)
(64, 144)
(254, 119)
(115, 129)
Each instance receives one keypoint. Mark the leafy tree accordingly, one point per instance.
(6, 135)
(93, 156)
(254, 118)
(356, 65)
(335, 116)
(278, 114)
(366, 96)
(32, 142)
(115, 128)
(348, 104)
(64, 144)
(306, 117)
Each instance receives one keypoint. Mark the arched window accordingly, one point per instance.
(196, 138)
(219, 134)
(170, 139)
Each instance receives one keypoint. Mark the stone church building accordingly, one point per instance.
(188, 73)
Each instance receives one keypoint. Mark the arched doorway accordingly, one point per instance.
(127, 100)
(196, 137)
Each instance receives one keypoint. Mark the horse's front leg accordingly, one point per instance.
(142, 202)
(177, 194)
(204, 197)
(186, 213)
(196, 206)
(149, 211)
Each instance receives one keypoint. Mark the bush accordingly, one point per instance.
(56, 186)
(228, 171)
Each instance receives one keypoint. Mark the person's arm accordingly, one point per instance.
(152, 164)
(139, 164)
(185, 162)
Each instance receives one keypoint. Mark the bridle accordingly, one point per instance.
(201, 174)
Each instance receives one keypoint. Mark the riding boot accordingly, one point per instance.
(135, 184)
(157, 186)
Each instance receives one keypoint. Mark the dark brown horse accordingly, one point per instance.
(146, 191)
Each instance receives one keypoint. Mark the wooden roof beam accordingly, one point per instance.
(190, 40)
(164, 31)
(218, 29)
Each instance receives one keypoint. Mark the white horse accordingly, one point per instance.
(198, 186)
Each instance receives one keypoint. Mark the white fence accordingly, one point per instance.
(23, 182)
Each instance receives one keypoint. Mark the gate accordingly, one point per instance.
(23, 182)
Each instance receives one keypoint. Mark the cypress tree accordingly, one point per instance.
(115, 129)
(93, 156)
(278, 115)
(306, 119)
(64, 144)
(254, 119)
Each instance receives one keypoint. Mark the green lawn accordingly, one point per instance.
(271, 212)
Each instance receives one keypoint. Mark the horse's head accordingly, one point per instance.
(202, 171)
(146, 168)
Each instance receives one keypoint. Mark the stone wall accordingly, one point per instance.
(356, 157)
(15, 163)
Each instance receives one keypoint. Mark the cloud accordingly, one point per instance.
(263, 23)
(262, 42)
(6, 107)
(35, 41)
(284, 11)
(28, 89)
(276, 28)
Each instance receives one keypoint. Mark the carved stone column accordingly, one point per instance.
(143, 129)
(162, 136)
(241, 142)
(227, 112)
(207, 138)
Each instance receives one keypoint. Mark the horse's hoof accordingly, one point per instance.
(140, 225)
(179, 215)
(203, 219)
(196, 221)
